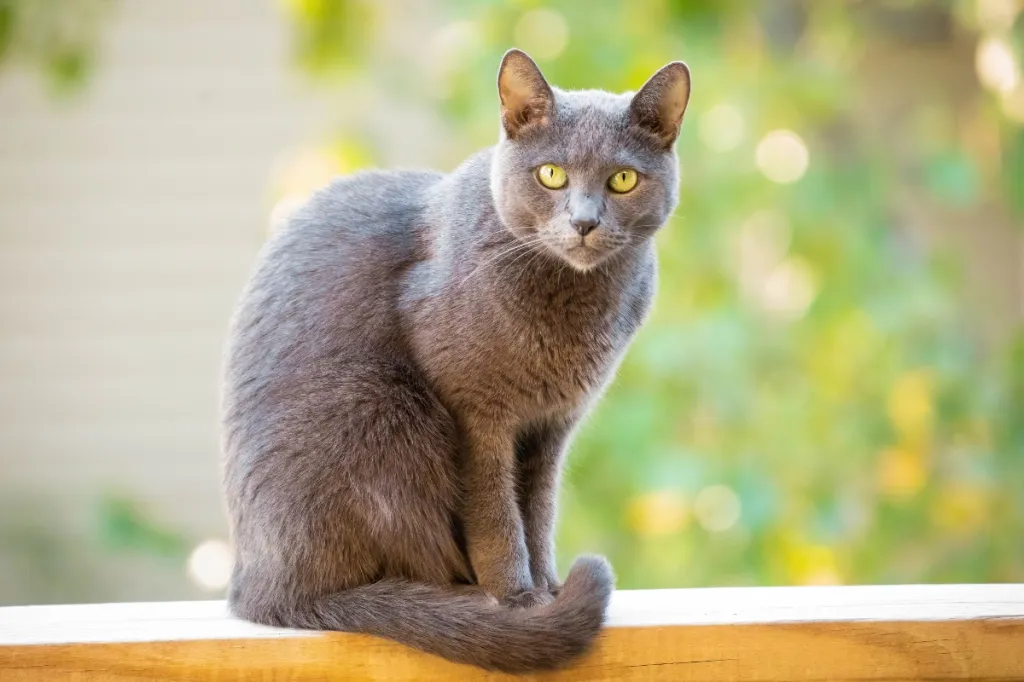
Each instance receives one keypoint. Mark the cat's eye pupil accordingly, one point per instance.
(623, 181)
(551, 176)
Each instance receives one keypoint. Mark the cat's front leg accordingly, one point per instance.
(540, 457)
(492, 520)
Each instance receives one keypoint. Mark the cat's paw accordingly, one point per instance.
(550, 584)
(528, 599)
(476, 592)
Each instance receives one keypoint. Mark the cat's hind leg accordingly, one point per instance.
(399, 448)
(354, 480)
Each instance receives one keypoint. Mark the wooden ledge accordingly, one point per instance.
(783, 634)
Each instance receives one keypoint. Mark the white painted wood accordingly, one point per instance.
(174, 621)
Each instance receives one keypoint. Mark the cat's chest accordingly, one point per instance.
(526, 349)
(540, 356)
(560, 363)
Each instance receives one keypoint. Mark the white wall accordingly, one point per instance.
(129, 219)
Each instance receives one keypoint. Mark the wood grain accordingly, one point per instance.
(937, 632)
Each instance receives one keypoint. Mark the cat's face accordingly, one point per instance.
(585, 175)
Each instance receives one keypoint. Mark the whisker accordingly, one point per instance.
(519, 245)
(504, 252)
(537, 255)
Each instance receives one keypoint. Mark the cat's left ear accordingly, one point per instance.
(526, 98)
(659, 105)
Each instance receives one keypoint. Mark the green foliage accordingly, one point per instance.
(125, 526)
(330, 34)
(1014, 174)
(56, 37)
(807, 403)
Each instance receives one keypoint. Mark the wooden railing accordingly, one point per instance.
(937, 632)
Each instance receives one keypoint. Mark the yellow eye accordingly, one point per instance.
(623, 181)
(551, 176)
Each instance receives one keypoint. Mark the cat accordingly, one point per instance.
(409, 362)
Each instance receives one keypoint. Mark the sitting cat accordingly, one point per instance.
(408, 364)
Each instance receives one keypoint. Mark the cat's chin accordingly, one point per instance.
(584, 258)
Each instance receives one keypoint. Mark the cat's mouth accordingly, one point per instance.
(581, 252)
(584, 255)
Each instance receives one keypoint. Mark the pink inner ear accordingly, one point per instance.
(525, 95)
(515, 93)
(674, 105)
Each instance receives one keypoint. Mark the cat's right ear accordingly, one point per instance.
(526, 98)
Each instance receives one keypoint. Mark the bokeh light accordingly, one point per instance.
(722, 127)
(210, 563)
(657, 513)
(448, 51)
(902, 472)
(543, 33)
(717, 508)
(762, 243)
(910, 406)
(790, 288)
(782, 156)
(812, 564)
(996, 66)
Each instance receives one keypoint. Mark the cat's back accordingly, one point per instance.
(346, 235)
(369, 205)
(328, 276)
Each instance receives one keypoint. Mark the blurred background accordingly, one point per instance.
(831, 389)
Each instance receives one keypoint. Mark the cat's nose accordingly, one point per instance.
(585, 224)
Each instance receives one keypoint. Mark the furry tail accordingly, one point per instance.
(468, 627)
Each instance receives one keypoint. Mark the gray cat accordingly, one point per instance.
(408, 364)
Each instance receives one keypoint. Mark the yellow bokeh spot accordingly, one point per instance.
(641, 68)
(810, 564)
(902, 473)
(847, 346)
(961, 507)
(910, 406)
(657, 513)
(306, 9)
(352, 156)
(307, 170)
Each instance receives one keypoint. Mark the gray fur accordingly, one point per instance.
(408, 364)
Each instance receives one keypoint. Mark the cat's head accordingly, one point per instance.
(586, 174)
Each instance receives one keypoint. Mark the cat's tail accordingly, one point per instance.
(469, 627)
